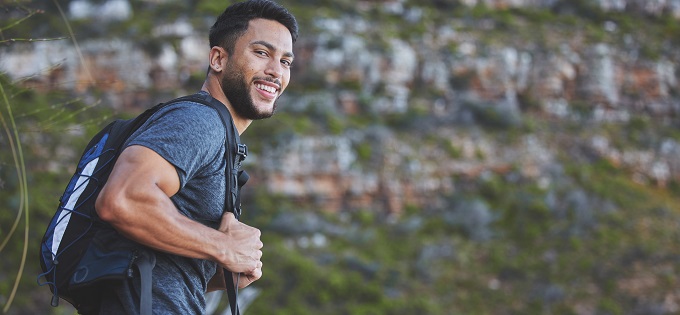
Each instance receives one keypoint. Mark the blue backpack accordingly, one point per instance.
(79, 250)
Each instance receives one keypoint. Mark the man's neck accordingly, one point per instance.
(212, 86)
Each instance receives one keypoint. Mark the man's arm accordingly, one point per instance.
(136, 202)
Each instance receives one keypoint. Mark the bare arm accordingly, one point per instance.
(136, 202)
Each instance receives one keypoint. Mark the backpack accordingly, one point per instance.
(79, 250)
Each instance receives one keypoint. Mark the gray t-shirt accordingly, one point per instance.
(191, 137)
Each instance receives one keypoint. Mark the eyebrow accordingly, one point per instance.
(272, 48)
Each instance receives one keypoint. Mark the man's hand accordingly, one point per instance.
(243, 250)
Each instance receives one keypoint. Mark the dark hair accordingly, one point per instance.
(233, 22)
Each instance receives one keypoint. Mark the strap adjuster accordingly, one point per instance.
(242, 150)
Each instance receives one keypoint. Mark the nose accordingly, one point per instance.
(274, 69)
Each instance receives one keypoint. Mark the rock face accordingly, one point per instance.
(450, 70)
(655, 7)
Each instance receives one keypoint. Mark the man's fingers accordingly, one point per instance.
(227, 217)
(243, 245)
(247, 279)
(256, 266)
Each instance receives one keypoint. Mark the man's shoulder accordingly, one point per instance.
(191, 111)
(185, 119)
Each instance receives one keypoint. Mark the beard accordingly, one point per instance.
(236, 90)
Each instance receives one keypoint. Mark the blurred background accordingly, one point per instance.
(428, 157)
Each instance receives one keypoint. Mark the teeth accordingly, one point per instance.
(266, 88)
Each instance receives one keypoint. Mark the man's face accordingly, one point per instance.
(259, 70)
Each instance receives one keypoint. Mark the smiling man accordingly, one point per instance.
(167, 189)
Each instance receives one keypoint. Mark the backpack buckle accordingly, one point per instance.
(242, 150)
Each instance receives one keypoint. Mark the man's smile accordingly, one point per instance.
(267, 89)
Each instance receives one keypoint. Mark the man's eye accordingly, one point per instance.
(287, 63)
(261, 52)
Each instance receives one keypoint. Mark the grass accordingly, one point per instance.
(10, 128)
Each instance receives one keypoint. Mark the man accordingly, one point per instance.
(167, 188)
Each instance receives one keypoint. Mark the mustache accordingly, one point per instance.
(268, 79)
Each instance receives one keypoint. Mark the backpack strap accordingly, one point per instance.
(236, 178)
(232, 291)
(145, 263)
(235, 152)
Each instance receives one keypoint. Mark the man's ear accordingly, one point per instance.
(217, 57)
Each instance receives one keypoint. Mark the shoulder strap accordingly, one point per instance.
(234, 154)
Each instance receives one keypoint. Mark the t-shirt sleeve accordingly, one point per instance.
(189, 136)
